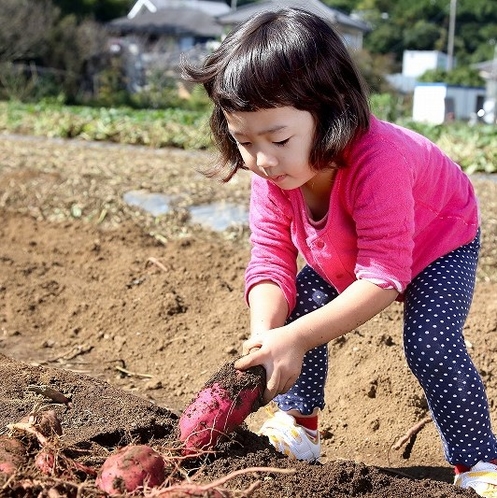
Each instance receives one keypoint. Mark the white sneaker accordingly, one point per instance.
(482, 478)
(290, 438)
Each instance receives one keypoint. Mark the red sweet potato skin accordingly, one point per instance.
(220, 407)
(129, 468)
(12, 455)
(45, 461)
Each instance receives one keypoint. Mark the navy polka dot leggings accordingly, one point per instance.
(436, 306)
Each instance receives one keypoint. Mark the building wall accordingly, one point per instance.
(417, 62)
(428, 104)
(437, 103)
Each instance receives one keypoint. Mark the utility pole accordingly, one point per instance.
(452, 29)
(493, 81)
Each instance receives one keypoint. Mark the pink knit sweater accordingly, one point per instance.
(399, 204)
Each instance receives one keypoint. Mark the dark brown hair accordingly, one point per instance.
(285, 58)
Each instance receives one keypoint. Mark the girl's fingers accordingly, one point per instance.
(243, 363)
(250, 359)
(251, 345)
(273, 385)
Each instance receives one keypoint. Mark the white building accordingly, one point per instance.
(414, 64)
(437, 103)
(417, 62)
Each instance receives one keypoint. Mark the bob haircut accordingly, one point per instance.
(286, 58)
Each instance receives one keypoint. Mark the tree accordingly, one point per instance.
(44, 53)
(400, 25)
(74, 45)
(423, 35)
(24, 27)
(464, 76)
(98, 10)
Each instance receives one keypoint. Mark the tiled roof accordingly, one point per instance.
(334, 16)
(174, 21)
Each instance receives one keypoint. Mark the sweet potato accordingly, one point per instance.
(43, 424)
(223, 404)
(12, 454)
(48, 423)
(129, 468)
(45, 461)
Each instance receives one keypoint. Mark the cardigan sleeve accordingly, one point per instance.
(273, 254)
(381, 200)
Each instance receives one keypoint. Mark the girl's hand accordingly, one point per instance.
(281, 353)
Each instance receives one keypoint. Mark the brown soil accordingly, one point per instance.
(128, 316)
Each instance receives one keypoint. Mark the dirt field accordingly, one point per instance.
(128, 315)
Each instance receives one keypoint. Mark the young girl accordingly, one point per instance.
(378, 213)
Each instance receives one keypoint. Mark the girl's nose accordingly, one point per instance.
(265, 160)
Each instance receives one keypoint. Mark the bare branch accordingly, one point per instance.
(24, 28)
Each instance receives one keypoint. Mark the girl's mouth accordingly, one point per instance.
(277, 179)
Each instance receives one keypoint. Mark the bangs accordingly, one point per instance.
(261, 75)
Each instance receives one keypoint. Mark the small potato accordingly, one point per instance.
(45, 462)
(129, 468)
(12, 455)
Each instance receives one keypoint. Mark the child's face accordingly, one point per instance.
(275, 144)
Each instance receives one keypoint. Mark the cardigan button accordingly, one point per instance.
(319, 244)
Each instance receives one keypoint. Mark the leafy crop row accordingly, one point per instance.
(155, 128)
(473, 147)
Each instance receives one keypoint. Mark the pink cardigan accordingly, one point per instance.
(399, 204)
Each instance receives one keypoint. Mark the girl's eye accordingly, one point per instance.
(283, 142)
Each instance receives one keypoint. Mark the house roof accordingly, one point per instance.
(213, 7)
(488, 69)
(176, 21)
(315, 6)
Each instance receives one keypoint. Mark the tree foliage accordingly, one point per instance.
(458, 76)
(400, 25)
(44, 51)
(67, 36)
(23, 28)
(74, 45)
(98, 10)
